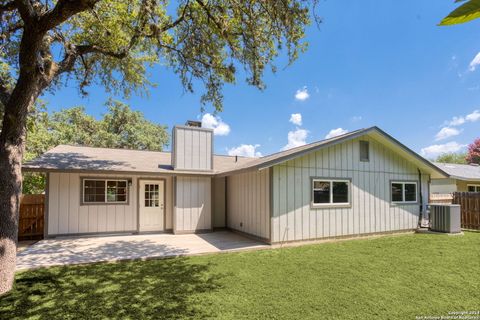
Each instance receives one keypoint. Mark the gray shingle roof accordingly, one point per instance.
(460, 171)
(74, 158)
(282, 156)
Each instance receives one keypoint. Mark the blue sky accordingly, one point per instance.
(383, 63)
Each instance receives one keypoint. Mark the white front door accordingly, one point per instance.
(152, 205)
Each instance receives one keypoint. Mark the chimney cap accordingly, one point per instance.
(193, 123)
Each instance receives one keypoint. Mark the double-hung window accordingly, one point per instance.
(104, 191)
(327, 192)
(403, 192)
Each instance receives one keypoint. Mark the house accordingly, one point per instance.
(461, 178)
(362, 182)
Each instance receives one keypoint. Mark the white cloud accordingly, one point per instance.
(219, 127)
(296, 138)
(245, 150)
(437, 149)
(335, 132)
(356, 118)
(474, 63)
(447, 132)
(302, 94)
(456, 121)
(296, 119)
(472, 117)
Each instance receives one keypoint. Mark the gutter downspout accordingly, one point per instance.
(420, 216)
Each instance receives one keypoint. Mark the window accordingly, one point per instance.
(404, 192)
(330, 192)
(473, 187)
(104, 191)
(364, 151)
(151, 195)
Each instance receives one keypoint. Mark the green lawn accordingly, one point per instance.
(396, 277)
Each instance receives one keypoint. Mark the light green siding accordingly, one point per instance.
(248, 203)
(371, 210)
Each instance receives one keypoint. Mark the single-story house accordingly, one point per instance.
(362, 182)
(461, 178)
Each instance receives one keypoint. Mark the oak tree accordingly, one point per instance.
(119, 127)
(45, 43)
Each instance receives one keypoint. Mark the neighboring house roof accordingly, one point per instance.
(461, 171)
(79, 158)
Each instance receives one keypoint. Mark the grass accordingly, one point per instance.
(396, 277)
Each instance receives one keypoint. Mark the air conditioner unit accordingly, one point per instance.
(445, 218)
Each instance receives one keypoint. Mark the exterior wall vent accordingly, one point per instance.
(445, 218)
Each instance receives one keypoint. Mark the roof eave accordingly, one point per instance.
(129, 172)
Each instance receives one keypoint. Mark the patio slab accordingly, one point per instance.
(81, 250)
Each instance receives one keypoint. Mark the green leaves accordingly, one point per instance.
(206, 43)
(468, 11)
(120, 127)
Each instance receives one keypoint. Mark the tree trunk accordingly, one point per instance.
(12, 145)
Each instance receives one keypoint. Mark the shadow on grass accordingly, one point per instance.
(158, 289)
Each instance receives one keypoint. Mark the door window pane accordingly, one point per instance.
(152, 195)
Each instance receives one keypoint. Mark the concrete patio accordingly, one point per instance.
(80, 250)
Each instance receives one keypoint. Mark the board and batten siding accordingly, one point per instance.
(248, 203)
(192, 148)
(193, 204)
(371, 210)
(219, 202)
(67, 216)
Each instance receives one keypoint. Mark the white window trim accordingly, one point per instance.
(403, 191)
(477, 186)
(331, 203)
(106, 198)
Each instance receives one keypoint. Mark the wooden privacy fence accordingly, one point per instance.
(441, 198)
(32, 216)
(470, 209)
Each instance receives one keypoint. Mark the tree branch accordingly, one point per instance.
(26, 10)
(176, 22)
(86, 49)
(63, 10)
(4, 93)
(9, 6)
